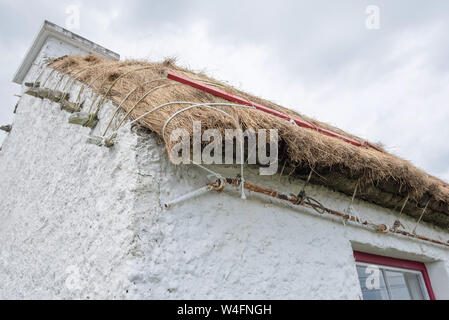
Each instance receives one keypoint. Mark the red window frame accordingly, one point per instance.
(397, 263)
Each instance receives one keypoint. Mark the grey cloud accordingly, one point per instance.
(318, 44)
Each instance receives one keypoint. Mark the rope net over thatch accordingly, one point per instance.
(374, 174)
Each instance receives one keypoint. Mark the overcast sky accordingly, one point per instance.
(326, 59)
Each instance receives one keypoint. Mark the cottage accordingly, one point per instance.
(92, 205)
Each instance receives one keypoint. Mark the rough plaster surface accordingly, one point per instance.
(52, 48)
(82, 221)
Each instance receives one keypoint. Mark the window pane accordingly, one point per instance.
(415, 287)
(397, 285)
(372, 283)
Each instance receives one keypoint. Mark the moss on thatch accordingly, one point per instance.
(382, 178)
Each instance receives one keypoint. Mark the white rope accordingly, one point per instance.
(42, 70)
(147, 113)
(156, 108)
(48, 77)
(403, 206)
(216, 174)
(59, 81)
(237, 126)
(73, 78)
(419, 220)
(143, 97)
(176, 102)
(78, 74)
(102, 101)
(126, 98)
(193, 105)
(350, 209)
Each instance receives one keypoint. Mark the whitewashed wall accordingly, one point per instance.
(81, 221)
(52, 48)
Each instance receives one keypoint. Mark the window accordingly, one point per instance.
(385, 278)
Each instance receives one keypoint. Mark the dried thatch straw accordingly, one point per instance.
(384, 178)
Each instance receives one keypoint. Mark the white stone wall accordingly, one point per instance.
(52, 48)
(66, 206)
(257, 249)
(81, 221)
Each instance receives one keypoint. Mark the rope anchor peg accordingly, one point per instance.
(219, 185)
(6, 128)
(100, 141)
(32, 84)
(382, 228)
(95, 140)
(83, 119)
(71, 107)
(396, 225)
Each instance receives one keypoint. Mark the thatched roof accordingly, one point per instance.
(379, 177)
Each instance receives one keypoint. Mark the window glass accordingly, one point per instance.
(370, 289)
(415, 286)
(387, 283)
(397, 285)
